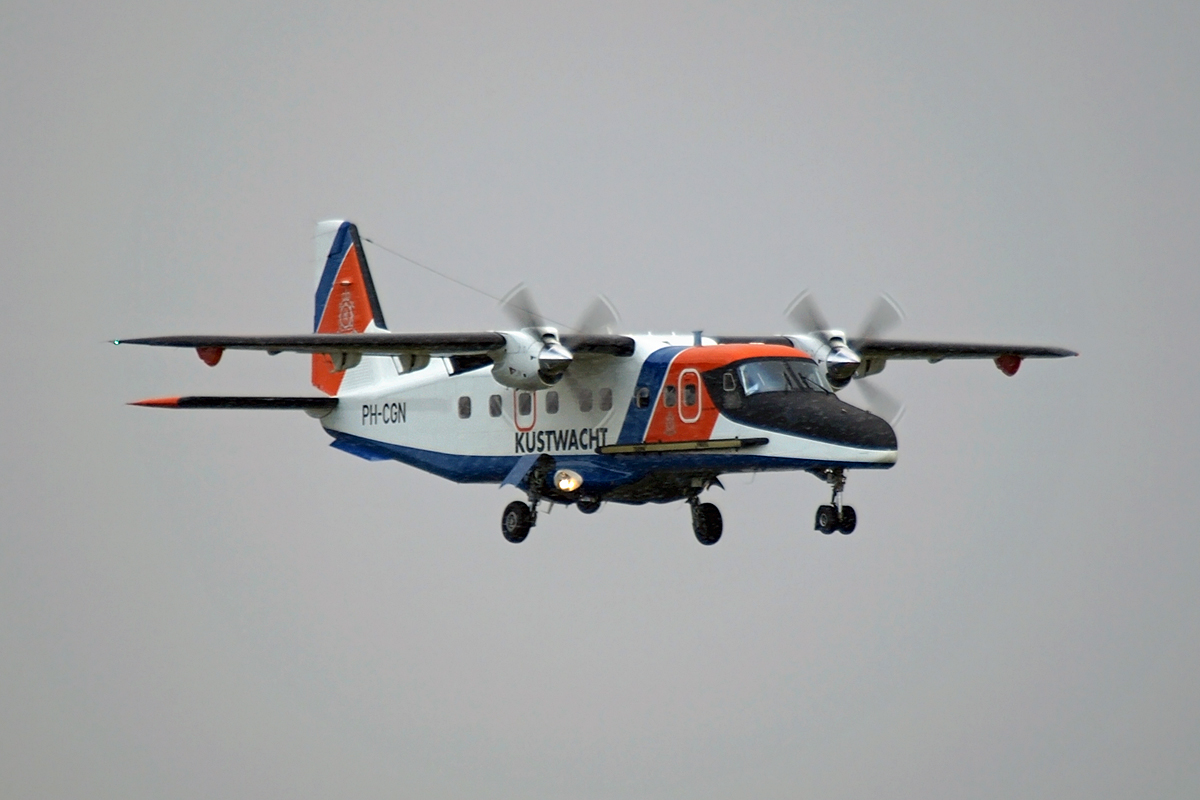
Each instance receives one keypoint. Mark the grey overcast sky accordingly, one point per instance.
(218, 604)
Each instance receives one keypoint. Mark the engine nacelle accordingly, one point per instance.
(870, 366)
(833, 353)
(532, 359)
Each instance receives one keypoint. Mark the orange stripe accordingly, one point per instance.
(158, 402)
(668, 423)
(347, 310)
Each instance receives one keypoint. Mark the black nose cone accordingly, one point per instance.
(816, 415)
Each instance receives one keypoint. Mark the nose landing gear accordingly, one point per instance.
(835, 516)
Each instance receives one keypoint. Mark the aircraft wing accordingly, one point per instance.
(1008, 357)
(382, 344)
(936, 351)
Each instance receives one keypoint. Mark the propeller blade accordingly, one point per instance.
(883, 316)
(578, 389)
(599, 317)
(880, 402)
(804, 314)
(521, 309)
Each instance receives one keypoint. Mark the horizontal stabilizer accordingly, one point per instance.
(317, 405)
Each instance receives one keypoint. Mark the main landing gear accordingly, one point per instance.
(588, 505)
(835, 516)
(519, 517)
(706, 521)
(517, 520)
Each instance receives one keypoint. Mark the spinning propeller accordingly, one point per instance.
(599, 317)
(553, 357)
(842, 363)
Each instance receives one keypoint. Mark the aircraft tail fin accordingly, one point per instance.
(345, 300)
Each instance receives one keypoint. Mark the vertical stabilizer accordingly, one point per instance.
(345, 300)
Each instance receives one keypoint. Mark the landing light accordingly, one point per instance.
(567, 480)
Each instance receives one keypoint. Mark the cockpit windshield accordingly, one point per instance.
(782, 375)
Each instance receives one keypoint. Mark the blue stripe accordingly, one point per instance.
(342, 243)
(601, 474)
(461, 469)
(654, 370)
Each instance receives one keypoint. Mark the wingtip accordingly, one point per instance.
(157, 402)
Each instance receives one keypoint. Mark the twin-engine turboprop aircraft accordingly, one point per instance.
(593, 416)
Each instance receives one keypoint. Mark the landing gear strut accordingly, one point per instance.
(706, 521)
(835, 516)
(520, 517)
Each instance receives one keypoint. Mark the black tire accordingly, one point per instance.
(515, 523)
(588, 505)
(827, 519)
(849, 520)
(707, 523)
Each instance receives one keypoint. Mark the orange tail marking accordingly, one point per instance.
(348, 310)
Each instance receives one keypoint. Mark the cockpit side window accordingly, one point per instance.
(729, 396)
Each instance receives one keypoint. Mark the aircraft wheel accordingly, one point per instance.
(516, 522)
(849, 520)
(827, 519)
(588, 505)
(707, 523)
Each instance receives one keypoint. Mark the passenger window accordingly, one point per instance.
(642, 397)
(551, 402)
(495, 405)
(669, 397)
(689, 394)
(606, 399)
(464, 407)
(585, 400)
(728, 382)
(524, 404)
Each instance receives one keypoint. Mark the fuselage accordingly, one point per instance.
(651, 427)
